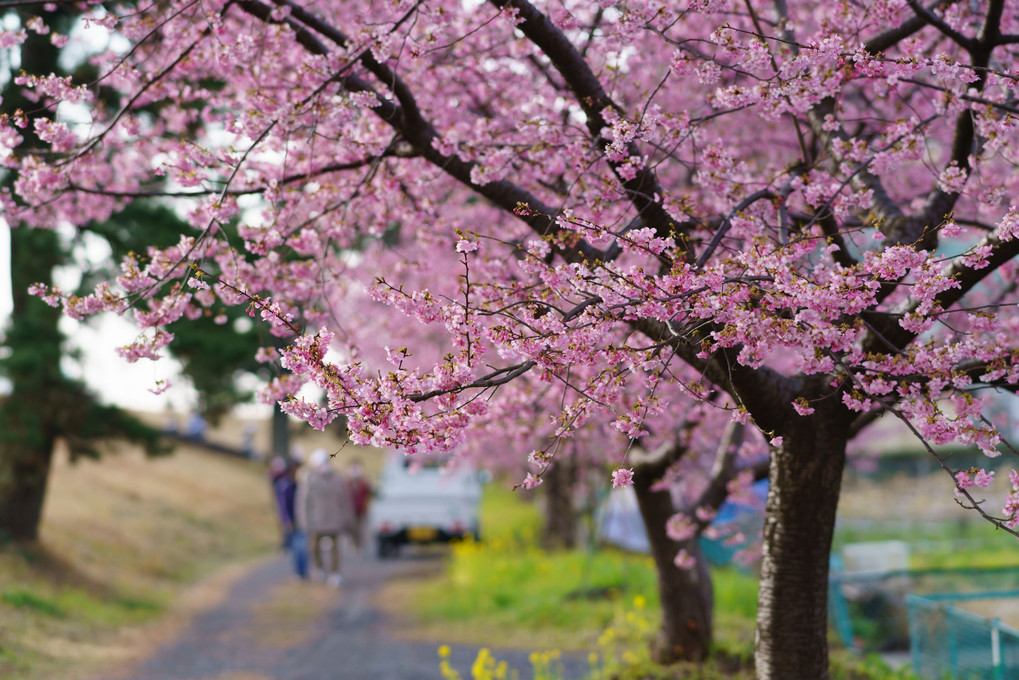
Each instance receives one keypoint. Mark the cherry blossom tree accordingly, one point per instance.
(630, 205)
(684, 466)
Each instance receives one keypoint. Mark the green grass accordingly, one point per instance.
(508, 583)
(505, 515)
(1000, 554)
(24, 599)
(120, 542)
(603, 603)
(949, 544)
(920, 532)
(515, 585)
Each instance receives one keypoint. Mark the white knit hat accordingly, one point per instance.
(319, 458)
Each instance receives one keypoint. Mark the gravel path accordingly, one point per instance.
(272, 627)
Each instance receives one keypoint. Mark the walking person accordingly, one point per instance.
(360, 495)
(284, 485)
(324, 511)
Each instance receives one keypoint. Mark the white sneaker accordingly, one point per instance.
(334, 580)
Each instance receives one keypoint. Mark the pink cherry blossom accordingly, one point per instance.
(622, 477)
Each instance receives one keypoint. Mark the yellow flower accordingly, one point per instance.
(639, 602)
(443, 651)
(479, 671)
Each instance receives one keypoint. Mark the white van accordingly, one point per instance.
(422, 501)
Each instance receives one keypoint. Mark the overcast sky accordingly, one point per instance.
(117, 381)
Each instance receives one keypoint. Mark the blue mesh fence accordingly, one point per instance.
(949, 642)
(869, 610)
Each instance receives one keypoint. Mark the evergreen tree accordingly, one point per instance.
(44, 405)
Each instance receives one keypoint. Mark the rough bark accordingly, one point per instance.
(792, 618)
(560, 526)
(686, 595)
(28, 421)
(23, 474)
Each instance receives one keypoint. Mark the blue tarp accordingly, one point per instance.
(619, 523)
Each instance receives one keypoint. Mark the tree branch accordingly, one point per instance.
(406, 119)
(289, 179)
(990, 32)
(507, 374)
(893, 36)
(766, 392)
(889, 335)
(653, 464)
(830, 228)
(644, 190)
(726, 224)
(932, 19)
(722, 472)
(939, 202)
(882, 205)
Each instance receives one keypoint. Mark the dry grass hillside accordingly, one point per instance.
(124, 542)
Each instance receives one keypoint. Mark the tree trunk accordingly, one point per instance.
(686, 594)
(24, 471)
(792, 617)
(29, 416)
(560, 528)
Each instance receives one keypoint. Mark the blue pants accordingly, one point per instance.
(298, 543)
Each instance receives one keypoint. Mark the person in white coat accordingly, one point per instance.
(325, 511)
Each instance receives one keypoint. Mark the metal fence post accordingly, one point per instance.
(998, 670)
(913, 614)
(840, 611)
(953, 643)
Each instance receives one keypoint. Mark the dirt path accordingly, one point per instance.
(270, 626)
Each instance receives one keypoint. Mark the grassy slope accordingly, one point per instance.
(122, 539)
